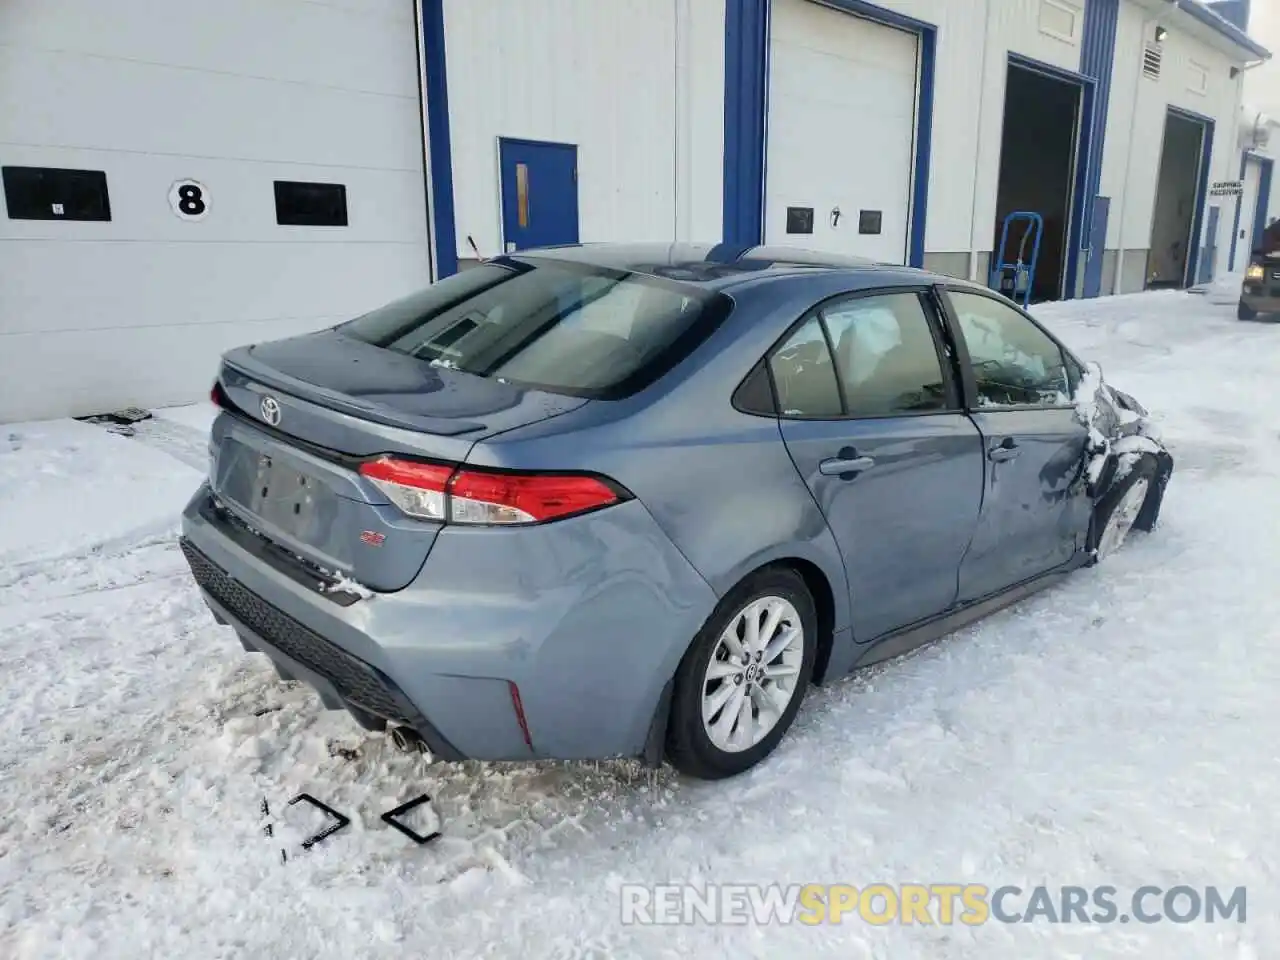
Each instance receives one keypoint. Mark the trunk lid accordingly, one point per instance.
(307, 410)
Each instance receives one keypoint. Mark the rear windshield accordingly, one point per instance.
(561, 327)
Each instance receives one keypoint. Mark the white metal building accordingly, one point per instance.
(180, 182)
(237, 95)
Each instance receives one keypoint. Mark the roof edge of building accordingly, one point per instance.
(1220, 24)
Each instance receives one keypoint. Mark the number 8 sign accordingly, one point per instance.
(189, 199)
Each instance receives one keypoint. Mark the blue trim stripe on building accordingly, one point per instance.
(746, 55)
(1097, 56)
(1202, 191)
(1080, 202)
(924, 144)
(746, 99)
(439, 149)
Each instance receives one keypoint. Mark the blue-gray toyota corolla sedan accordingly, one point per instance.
(619, 500)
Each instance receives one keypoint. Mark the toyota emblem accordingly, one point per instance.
(271, 411)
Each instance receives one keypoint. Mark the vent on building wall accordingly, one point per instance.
(1198, 78)
(1152, 57)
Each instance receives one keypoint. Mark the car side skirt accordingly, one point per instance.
(909, 638)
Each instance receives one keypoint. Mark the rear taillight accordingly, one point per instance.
(218, 396)
(480, 497)
(418, 489)
(465, 495)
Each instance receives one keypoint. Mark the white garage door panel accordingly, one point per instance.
(236, 94)
(274, 39)
(57, 285)
(842, 97)
(99, 370)
(382, 205)
(1248, 213)
(141, 108)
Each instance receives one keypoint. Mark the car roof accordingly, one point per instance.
(723, 265)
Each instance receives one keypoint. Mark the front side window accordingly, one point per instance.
(556, 326)
(1015, 363)
(886, 356)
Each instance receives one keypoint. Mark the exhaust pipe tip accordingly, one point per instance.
(406, 740)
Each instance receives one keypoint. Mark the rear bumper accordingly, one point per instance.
(341, 680)
(588, 617)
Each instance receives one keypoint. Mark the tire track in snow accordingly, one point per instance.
(116, 566)
(185, 444)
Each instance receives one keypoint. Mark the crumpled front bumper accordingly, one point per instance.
(1131, 432)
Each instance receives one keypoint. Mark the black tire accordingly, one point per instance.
(1146, 468)
(1246, 312)
(688, 747)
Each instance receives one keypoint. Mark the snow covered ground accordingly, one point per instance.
(1120, 729)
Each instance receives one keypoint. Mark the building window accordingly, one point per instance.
(311, 204)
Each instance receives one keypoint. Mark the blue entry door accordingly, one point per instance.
(539, 193)
(1209, 253)
(1097, 247)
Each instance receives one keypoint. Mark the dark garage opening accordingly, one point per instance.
(1177, 187)
(1037, 171)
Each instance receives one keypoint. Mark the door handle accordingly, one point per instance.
(845, 466)
(1005, 450)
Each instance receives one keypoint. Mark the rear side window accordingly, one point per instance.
(804, 376)
(561, 327)
(863, 356)
(886, 356)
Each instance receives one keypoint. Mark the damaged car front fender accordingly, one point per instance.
(1121, 432)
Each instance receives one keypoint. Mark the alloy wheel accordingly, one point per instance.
(1122, 518)
(752, 675)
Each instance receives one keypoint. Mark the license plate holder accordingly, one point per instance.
(282, 495)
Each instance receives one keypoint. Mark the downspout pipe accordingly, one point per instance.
(977, 150)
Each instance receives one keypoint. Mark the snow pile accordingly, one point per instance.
(1225, 289)
(68, 487)
(1113, 731)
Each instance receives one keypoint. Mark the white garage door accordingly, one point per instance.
(1248, 213)
(842, 103)
(236, 95)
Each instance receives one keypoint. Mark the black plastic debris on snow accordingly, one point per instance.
(126, 416)
(389, 818)
(269, 830)
(339, 821)
(119, 421)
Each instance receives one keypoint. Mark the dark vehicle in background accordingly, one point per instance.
(1260, 295)
(614, 500)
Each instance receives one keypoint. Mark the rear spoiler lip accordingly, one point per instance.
(240, 361)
